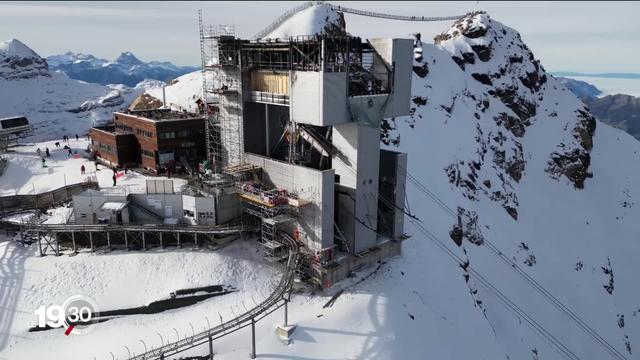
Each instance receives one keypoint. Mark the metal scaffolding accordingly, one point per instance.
(221, 94)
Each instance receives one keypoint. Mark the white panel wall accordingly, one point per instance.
(319, 98)
(361, 145)
(87, 204)
(316, 219)
(398, 53)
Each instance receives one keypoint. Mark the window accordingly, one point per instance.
(144, 133)
(147, 153)
(124, 128)
(184, 133)
(167, 135)
(105, 147)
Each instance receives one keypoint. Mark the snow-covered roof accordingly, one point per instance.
(113, 205)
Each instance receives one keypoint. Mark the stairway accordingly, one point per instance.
(140, 207)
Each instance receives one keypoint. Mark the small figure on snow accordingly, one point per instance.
(70, 153)
(47, 152)
(77, 137)
(57, 144)
(125, 169)
(44, 163)
(82, 169)
(114, 179)
(39, 152)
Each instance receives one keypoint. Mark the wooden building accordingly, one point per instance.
(153, 139)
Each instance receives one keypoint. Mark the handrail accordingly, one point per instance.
(284, 286)
(290, 13)
(224, 229)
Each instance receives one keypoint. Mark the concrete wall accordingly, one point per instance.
(393, 168)
(319, 98)
(316, 218)
(227, 207)
(358, 143)
(205, 210)
(86, 206)
(398, 55)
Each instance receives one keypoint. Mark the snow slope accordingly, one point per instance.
(182, 92)
(24, 173)
(317, 19)
(54, 104)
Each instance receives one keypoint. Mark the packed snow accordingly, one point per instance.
(24, 173)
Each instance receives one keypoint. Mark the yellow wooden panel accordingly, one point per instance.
(277, 83)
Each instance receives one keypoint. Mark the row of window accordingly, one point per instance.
(144, 133)
(147, 153)
(105, 147)
(173, 134)
(124, 128)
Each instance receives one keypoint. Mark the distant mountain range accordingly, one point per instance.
(621, 111)
(55, 104)
(127, 69)
(600, 75)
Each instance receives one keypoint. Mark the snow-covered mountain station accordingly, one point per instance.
(311, 194)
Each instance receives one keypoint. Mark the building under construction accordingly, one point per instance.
(295, 125)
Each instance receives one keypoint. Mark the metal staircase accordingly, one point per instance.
(140, 207)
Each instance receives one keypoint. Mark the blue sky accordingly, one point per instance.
(566, 36)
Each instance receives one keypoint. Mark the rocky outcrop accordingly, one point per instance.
(18, 61)
(573, 162)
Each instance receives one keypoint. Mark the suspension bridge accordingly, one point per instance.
(289, 14)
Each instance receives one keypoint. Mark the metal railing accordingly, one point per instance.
(42, 200)
(270, 304)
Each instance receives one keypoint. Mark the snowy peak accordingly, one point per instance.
(315, 20)
(16, 48)
(18, 61)
(127, 58)
(481, 82)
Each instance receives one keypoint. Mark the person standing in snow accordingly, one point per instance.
(77, 137)
(82, 169)
(39, 152)
(44, 163)
(114, 179)
(125, 169)
(47, 152)
(70, 153)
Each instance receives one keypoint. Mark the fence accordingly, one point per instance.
(43, 200)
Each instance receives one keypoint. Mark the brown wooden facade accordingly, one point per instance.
(114, 148)
(158, 141)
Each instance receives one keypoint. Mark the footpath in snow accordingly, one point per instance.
(25, 174)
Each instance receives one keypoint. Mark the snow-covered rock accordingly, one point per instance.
(18, 61)
(317, 19)
(54, 104)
